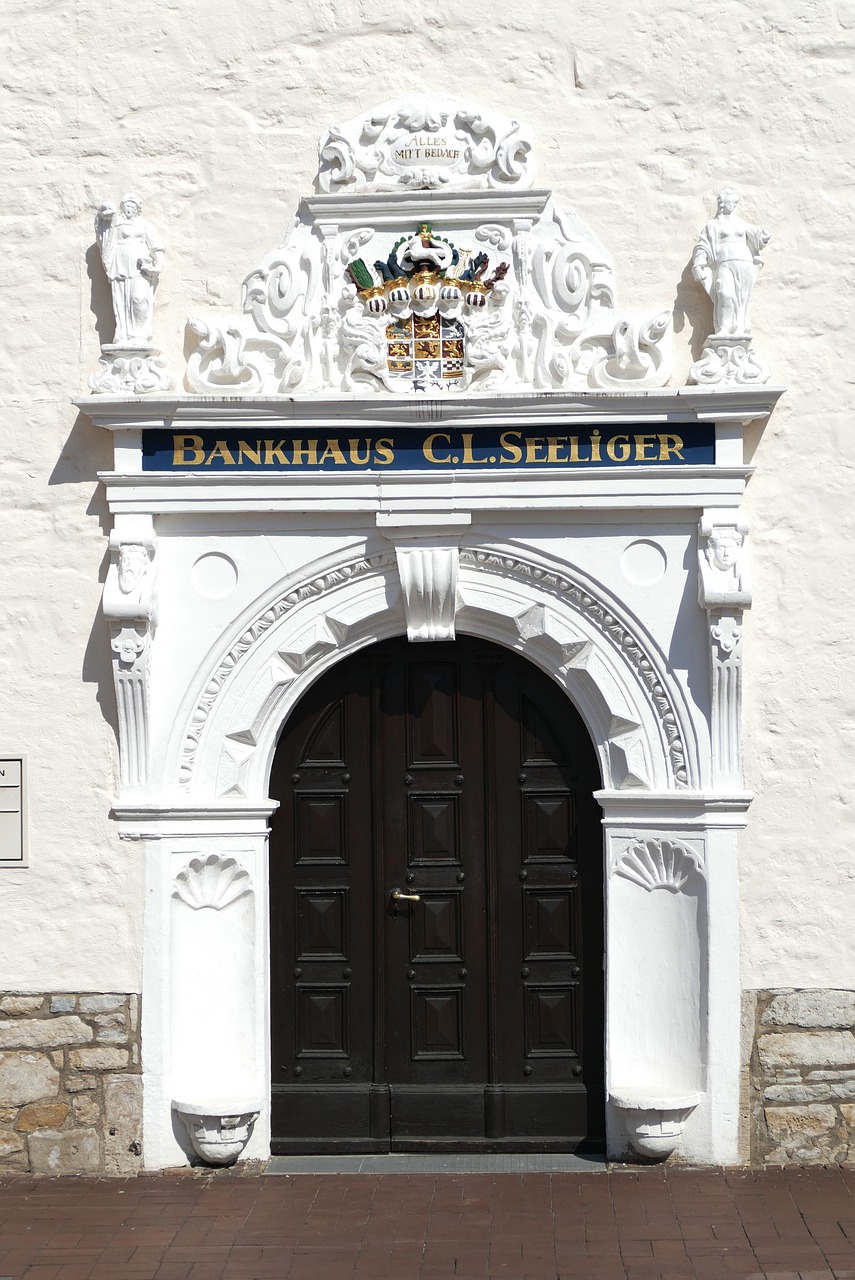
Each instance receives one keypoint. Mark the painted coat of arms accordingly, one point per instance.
(410, 321)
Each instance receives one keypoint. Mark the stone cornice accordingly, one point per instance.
(683, 404)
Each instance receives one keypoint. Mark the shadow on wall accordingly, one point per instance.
(692, 307)
(100, 296)
(689, 649)
(88, 450)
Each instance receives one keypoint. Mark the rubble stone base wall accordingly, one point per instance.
(802, 1077)
(70, 1083)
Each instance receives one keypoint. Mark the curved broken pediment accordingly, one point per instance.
(426, 266)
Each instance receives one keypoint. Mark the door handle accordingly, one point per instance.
(398, 896)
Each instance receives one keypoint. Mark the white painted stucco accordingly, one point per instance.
(640, 115)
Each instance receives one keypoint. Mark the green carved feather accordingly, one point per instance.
(360, 275)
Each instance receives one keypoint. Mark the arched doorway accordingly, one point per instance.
(466, 1013)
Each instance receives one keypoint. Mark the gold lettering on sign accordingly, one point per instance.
(428, 448)
(311, 453)
(618, 448)
(468, 456)
(384, 453)
(353, 446)
(333, 451)
(668, 445)
(642, 444)
(274, 452)
(182, 445)
(595, 445)
(220, 450)
(253, 455)
(513, 449)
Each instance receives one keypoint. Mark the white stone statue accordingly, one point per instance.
(132, 255)
(726, 262)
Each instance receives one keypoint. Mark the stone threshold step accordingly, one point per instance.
(451, 1163)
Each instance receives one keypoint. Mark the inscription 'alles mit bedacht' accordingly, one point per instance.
(422, 149)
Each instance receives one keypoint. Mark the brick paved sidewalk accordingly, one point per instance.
(623, 1225)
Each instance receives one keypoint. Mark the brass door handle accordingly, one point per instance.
(398, 896)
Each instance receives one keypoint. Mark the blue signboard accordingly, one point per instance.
(554, 448)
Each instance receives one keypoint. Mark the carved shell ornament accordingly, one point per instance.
(658, 864)
(214, 882)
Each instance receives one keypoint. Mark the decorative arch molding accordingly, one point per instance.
(588, 600)
(568, 626)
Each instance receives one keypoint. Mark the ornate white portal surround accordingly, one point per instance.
(255, 553)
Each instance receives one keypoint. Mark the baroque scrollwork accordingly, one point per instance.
(522, 292)
(276, 340)
(583, 340)
(425, 144)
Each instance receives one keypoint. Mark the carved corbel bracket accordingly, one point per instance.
(130, 608)
(427, 549)
(724, 591)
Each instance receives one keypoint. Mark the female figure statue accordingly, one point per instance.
(726, 261)
(132, 254)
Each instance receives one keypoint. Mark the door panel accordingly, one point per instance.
(467, 1013)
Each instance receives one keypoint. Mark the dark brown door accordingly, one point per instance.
(436, 909)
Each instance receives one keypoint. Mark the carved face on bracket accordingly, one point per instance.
(133, 563)
(723, 549)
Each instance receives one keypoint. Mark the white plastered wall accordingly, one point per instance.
(640, 119)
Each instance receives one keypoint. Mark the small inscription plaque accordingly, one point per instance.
(13, 848)
(562, 448)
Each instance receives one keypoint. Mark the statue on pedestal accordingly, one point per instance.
(726, 261)
(132, 254)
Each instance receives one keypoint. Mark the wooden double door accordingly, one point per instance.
(436, 909)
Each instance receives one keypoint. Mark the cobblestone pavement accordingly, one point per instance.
(622, 1225)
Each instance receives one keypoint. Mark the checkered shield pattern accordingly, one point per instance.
(425, 350)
